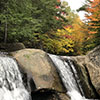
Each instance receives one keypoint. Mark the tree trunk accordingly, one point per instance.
(5, 37)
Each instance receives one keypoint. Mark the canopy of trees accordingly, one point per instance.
(20, 20)
(45, 24)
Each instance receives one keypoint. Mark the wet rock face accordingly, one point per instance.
(88, 68)
(85, 81)
(28, 81)
(94, 56)
(93, 65)
(47, 94)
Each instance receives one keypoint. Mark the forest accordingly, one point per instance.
(50, 25)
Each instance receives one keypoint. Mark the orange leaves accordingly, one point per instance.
(58, 0)
(90, 10)
(57, 7)
(94, 16)
(92, 32)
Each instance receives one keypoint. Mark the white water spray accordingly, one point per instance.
(11, 85)
(67, 77)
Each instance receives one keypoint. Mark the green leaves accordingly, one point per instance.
(34, 22)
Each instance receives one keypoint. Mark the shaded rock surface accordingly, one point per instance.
(88, 68)
(84, 77)
(9, 47)
(47, 94)
(93, 65)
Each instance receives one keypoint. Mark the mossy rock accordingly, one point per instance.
(9, 47)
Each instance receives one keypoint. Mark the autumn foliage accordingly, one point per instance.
(93, 16)
(80, 35)
(93, 19)
(49, 25)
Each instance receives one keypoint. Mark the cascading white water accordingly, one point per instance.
(67, 76)
(11, 85)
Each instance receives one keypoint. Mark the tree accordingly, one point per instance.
(80, 35)
(48, 25)
(2, 7)
(17, 16)
(94, 21)
(92, 7)
(20, 20)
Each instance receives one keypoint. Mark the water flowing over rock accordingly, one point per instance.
(65, 70)
(11, 84)
(39, 67)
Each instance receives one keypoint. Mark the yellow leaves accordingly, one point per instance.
(59, 45)
(61, 32)
(65, 50)
(68, 29)
(67, 45)
(68, 50)
(79, 31)
(58, 30)
(65, 31)
(79, 35)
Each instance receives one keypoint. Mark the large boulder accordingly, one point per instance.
(93, 65)
(84, 77)
(88, 68)
(38, 65)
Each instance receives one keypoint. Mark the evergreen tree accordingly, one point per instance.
(20, 20)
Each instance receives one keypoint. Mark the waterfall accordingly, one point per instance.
(68, 73)
(11, 85)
